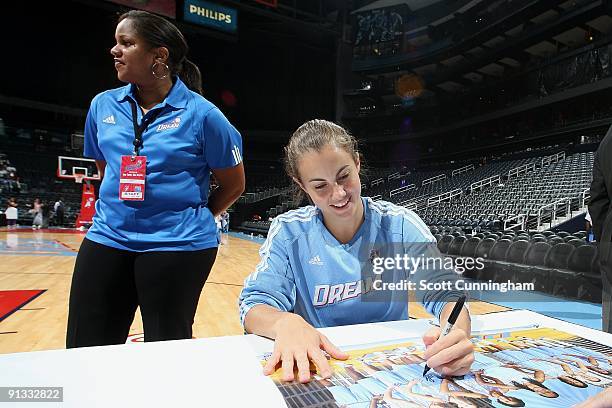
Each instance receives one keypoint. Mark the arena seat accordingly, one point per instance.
(514, 267)
(496, 259)
(516, 251)
(576, 242)
(554, 240)
(469, 247)
(580, 234)
(456, 245)
(499, 250)
(444, 243)
(536, 254)
(538, 273)
(558, 256)
(565, 281)
(581, 259)
(484, 248)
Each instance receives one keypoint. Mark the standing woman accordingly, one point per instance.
(153, 240)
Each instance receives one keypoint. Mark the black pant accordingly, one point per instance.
(108, 285)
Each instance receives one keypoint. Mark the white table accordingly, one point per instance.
(210, 372)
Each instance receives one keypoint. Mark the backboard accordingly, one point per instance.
(68, 167)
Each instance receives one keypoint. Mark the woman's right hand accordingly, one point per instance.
(297, 343)
(601, 400)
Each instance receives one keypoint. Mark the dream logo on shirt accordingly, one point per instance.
(330, 294)
(169, 125)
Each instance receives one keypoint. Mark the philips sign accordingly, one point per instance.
(211, 15)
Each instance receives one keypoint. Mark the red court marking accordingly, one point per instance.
(65, 245)
(13, 300)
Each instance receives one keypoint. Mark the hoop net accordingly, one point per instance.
(78, 178)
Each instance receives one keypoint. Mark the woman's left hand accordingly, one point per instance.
(452, 354)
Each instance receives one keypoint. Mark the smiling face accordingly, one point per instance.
(133, 57)
(330, 177)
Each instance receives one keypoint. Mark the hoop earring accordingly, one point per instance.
(157, 75)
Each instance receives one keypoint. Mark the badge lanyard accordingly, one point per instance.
(139, 129)
(133, 170)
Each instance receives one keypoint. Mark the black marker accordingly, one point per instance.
(449, 324)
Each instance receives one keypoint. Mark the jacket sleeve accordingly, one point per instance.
(272, 283)
(600, 201)
(434, 269)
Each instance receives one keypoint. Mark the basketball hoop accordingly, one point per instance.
(78, 178)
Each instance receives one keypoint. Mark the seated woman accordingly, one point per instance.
(310, 273)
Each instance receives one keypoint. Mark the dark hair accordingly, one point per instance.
(159, 32)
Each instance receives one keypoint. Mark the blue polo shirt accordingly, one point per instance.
(189, 137)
